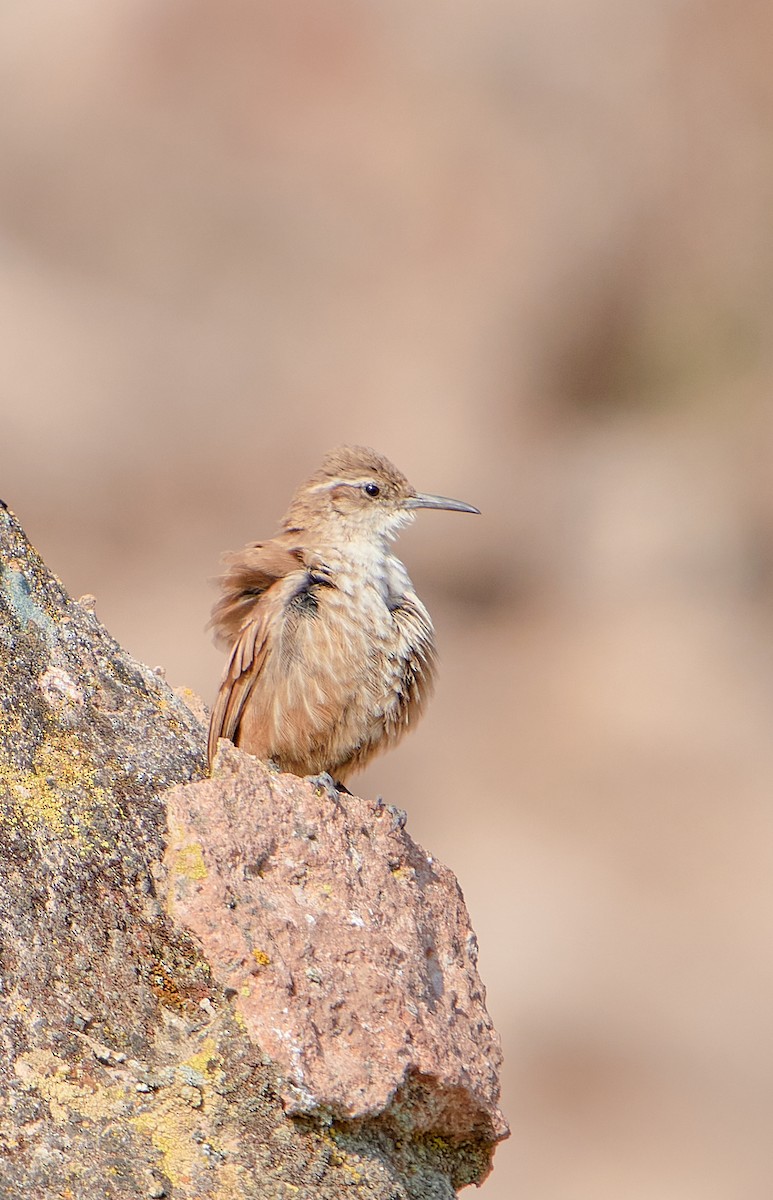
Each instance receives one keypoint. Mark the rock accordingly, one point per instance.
(132, 1065)
(347, 949)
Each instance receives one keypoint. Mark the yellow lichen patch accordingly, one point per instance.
(189, 861)
(171, 1119)
(66, 1092)
(170, 1125)
(342, 1158)
(173, 1126)
(60, 790)
(206, 1061)
(62, 758)
(261, 958)
(36, 800)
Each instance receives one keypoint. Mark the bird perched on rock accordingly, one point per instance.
(332, 653)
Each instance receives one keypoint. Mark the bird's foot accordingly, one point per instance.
(398, 815)
(325, 784)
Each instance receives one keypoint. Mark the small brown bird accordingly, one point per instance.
(332, 653)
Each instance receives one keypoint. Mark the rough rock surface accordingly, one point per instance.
(348, 949)
(127, 1068)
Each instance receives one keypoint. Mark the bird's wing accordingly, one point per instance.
(249, 575)
(255, 589)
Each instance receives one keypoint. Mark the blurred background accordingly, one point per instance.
(526, 251)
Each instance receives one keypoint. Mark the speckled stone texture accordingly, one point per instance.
(347, 948)
(129, 1066)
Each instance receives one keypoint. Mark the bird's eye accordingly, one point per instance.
(371, 489)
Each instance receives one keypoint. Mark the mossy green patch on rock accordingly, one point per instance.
(21, 595)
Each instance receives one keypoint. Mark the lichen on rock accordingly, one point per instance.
(132, 1061)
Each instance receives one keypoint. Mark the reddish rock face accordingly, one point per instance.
(347, 947)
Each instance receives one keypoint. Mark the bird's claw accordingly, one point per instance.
(398, 815)
(325, 784)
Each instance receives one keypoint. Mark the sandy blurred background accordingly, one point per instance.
(526, 251)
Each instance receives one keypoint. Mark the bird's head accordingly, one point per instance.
(358, 494)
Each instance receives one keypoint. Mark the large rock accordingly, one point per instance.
(347, 948)
(138, 1057)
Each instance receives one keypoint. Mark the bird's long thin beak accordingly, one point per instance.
(422, 500)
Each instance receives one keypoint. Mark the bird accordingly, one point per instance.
(331, 653)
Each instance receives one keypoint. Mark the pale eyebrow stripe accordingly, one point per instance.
(331, 483)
